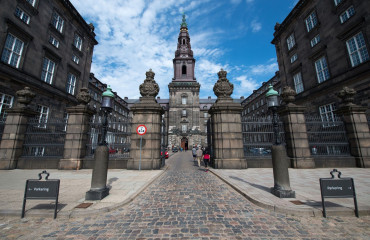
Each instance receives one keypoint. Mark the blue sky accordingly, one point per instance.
(136, 35)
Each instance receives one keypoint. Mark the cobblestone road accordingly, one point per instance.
(187, 203)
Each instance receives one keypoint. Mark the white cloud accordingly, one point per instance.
(244, 85)
(261, 69)
(256, 26)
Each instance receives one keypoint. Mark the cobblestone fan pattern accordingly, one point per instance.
(187, 203)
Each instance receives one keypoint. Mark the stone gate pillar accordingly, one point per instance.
(357, 128)
(227, 126)
(149, 113)
(77, 132)
(15, 128)
(292, 115)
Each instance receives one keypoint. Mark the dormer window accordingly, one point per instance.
(183, 70)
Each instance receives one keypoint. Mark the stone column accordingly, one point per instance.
(77, 132)
(149, 113)
(298, 150)
(227, 127)
(357, 128)
(15, 128)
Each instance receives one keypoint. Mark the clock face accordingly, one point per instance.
(184, 55)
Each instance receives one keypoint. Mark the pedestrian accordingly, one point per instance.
(194, 151)
(206, 158)
(199, 156)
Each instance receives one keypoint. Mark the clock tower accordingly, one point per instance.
(184, 111)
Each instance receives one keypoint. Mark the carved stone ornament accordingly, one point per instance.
(83, 96)
(223, 88)
(25, 96)
(288, 95)
(149, 88)
(347, 95)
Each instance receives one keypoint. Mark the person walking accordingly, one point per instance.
(206, 159)
(199, 156)
(194, 151)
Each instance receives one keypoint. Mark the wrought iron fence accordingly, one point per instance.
(327, 137)
(118, 138)
(163, 142)
(258, 136)
(44, 137)
(2, 125)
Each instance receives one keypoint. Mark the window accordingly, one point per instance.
(357, 49)
(54, 41)
(261, 102)
(43, 117)
(290, 41)
(336, 2)
(205, 115)
(327, 114)
(184, 112)
(37, 151)
(77, 42)
(32, 2)
(65, 118)
(184, 128)
(294, 58)
(298, 84)
(322, 70)
(6, 102)
(315, 40)
(347, 14)
(311, 21)
(183, 70)
(12, 51)
(57, 21)
(22, 15)
(71, 83)
(75, 59)
(47, 71)
(183, 100)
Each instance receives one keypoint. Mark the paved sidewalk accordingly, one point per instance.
(125, 186)
(255, 184)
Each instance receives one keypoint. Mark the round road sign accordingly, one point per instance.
(141, 129)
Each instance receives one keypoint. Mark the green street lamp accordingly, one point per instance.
(273, 104)
(99, 189)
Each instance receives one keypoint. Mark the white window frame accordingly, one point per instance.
(43, 117)
(322, 70)
(32, 2)
(311, 21)
(183, 100)
(53, 41)
(315, 40)
(6, 102)
(75, 59)
(298, 83)
(184, 113)
(57, 21)
(337, 2)
(12, 52)
(205, 115)
(294, 58)
(327, 114)
(48, 68)
(357, 50)
(290, 41)
(184, 128)
(22, 15)
(65, 118)
(77, 42)
(347, 14)
(71, 83)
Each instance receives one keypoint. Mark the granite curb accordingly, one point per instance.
(294, 211)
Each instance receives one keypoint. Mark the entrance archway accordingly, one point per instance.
(184, 143)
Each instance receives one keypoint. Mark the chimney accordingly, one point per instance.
(242, 97)
(158, 97)
(126, 98)
(209, 97)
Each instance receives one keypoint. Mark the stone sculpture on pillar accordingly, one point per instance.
(226, 119)
(149, 113)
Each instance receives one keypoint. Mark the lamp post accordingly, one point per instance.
(99, 189)
(280, 163)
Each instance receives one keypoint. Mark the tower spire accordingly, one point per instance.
(184, 24)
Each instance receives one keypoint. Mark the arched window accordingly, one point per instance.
(183, 70)
(183, 99)
(183, 41)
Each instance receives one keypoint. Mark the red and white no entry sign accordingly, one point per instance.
(141, 129)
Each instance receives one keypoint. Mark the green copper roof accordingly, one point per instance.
(108, 92)
(271, 92)
(184, 24)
